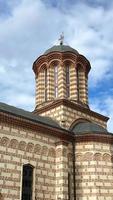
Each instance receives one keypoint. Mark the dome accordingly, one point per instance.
(88, 127)
(61, 48)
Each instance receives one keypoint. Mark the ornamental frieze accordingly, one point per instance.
(89, 156)
(28, 147)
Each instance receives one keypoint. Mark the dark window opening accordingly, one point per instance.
(27, 182)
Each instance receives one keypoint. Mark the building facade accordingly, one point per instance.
(62, 150)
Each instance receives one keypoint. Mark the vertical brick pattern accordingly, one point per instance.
(83, 97)
(40, 87)
(50, 85)
(73, 83)
(61, 82)
(94, 172)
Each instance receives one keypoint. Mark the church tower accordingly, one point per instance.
(62, 150)
(61, 75)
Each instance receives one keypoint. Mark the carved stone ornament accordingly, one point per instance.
(30, 147)
(4, 141)
(22, 145)
(13, 144)
(37, 149)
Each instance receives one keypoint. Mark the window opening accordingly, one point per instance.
(27, 182)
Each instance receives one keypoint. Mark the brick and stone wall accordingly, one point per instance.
(78, 75)
(50, 157)
(53, 162)
(66, 116)
(21, 146)
(94, 171)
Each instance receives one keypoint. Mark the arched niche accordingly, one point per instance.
(80, 120)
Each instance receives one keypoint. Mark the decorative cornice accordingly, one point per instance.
(72, 105)
(61, 56)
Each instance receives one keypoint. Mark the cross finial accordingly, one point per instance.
(61, 39)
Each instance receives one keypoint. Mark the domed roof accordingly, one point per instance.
(88, 127)
(61, 48)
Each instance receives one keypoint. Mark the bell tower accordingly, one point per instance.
(61, 75)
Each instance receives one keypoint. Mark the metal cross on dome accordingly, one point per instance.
(61, 39)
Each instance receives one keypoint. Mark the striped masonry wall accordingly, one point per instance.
(78, 88)
(94, 171)
(66, 116)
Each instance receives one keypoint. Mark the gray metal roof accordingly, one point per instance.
(61, 48)
(87, 127)
(27, 115)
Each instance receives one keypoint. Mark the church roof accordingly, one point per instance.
(88, 127)
(27, 115)
(61, 48)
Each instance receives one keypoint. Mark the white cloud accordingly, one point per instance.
(34, 26)
(104, 106)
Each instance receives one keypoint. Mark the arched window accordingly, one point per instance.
(56, 80)
(67, 81)
(27, 182)
(45, 81)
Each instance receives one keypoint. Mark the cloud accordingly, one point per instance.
(105, 107)
(28, 28)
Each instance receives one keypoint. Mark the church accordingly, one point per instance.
(62, 149)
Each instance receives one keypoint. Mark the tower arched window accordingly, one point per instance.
(67, 81)
(45, 83)
(27, 182)
(56, 80)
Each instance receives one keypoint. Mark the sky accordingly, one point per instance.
(29, 27)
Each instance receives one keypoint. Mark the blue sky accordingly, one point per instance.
(29, 27)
